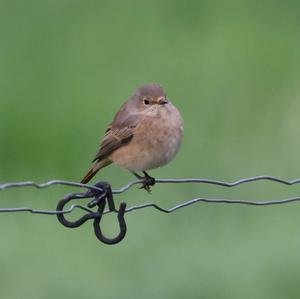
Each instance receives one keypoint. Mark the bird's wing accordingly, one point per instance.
(117, 136)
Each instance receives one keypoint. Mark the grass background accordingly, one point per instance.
(231, 67)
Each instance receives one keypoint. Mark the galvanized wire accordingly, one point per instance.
(153, 205)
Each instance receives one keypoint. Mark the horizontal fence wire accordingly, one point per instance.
(153, 205)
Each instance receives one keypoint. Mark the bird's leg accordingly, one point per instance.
(137, 175)
(147, 180)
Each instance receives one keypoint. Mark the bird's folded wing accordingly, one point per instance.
(117, 136)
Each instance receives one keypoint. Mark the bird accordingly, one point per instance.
(145, 133)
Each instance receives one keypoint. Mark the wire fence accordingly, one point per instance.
(157, 181)
(101, 194)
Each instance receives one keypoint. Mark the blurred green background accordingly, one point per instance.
(233, 70)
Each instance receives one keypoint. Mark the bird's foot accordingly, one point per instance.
(147, 181)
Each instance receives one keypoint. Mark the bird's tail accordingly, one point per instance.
(100, 164)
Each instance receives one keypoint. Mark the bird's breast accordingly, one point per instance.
(156, 141)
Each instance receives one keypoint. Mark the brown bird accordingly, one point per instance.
(145, 133)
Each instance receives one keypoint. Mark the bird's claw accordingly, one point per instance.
(148, 181)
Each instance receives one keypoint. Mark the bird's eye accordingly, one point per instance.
(146, 102)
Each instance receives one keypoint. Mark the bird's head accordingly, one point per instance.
(150, 95)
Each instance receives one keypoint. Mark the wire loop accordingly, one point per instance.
(99, 199)
(121, 220)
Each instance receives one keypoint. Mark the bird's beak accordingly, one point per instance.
(162, 101)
